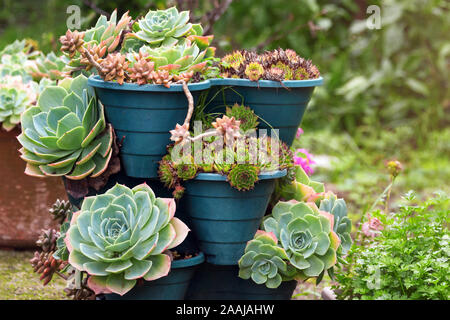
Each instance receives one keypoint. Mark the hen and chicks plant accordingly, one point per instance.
(276, 65)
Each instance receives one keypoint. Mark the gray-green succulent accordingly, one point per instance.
(121, 236)
(14, 100)
(164, 27)
(265, 262)
(342, 224)
(307, 236)
(65, 134)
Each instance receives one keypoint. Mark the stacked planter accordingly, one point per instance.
(222, 219)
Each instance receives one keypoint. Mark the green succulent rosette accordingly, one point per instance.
(176, 59)
(307, 236)
(48, 66)
(164, 27)
(14, 100)
(65, 134)
(342, 224)
(121, 236)
(265, 262)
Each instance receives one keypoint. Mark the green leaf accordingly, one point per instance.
(51, 97)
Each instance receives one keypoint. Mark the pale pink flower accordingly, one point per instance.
(372, 227)
(304, 159)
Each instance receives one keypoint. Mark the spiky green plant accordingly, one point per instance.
(65, 134)
(164, 27)
(265, 262)
(342, 224)
(254, 71)
(306, 235)
(247, 117)
(121, 236)
(243, 176)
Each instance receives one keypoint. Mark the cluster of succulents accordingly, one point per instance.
(276, 65)
(104, 38)
(161, 48)
(65, 134)
(48, 66)
(305, 238)
(241, 159)
(123, 235)
(43, 262)
(15, 97)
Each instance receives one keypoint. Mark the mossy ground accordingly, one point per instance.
(19, 282)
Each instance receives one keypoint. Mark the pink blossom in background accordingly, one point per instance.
(372, 227)
(299, 133)
(304, 159)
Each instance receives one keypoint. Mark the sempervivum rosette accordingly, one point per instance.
(307, 236)
(121, 236)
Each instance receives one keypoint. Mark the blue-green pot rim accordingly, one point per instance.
(267, 83)
(220, 177)
(97, 82)
(184, 263)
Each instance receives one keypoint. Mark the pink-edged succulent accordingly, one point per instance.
(121, 236)
(228, 127)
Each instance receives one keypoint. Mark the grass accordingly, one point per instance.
(19, 282)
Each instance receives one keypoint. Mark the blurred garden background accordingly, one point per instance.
(386, 93)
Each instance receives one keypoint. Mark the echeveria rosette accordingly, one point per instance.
(13, 102)
(121, 236)
(164, 27)
(342, 224)
(307, 236)
(65, 134)
(264, 261)
(177, 59)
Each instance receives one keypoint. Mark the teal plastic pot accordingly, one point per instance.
(143, 116)
(171, 287)
(279, 106)
(213, 282)
(222, 218)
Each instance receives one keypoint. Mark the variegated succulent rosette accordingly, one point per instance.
(122, 236)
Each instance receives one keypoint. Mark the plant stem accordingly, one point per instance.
(191, 103)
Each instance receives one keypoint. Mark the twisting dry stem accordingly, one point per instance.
(205, 134)
(97, 66)
(191, 104)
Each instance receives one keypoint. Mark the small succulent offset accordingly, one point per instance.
(15, 98)
(276, 65)
(307, 236)
(48, 66)
(265, 262)
(342, 224)
(164, 28)
(121, 236)
(65, 134)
